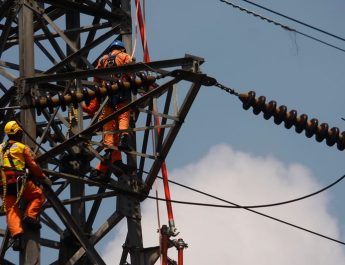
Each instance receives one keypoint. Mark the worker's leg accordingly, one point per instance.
(13, 216)
(108, 135)
(123, 124)
(110, 139)
(35, 197)
(123, 119)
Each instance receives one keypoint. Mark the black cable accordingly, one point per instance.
(281, 25)
(294, 20)
(264, 215)
(246, 206)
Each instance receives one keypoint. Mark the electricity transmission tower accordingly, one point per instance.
(48, 51)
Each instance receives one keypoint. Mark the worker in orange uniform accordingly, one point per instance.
(117, 57)
(16, 161)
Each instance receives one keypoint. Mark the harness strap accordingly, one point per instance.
(10, 158)
(23, 178)
(3, 179)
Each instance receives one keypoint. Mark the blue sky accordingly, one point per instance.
(247, 53)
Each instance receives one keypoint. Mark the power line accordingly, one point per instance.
(247, 206)
(259, 213)
(294, 20)
(281, 25)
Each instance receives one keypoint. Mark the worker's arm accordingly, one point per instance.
(123, 58)
(92, 107)
(34, 169)
(100, 64)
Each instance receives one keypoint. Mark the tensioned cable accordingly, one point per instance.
(269, 217)
(259, 213)
(281, 25)
(294, 20)
(247, 206)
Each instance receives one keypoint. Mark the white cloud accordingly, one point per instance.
(235, 236)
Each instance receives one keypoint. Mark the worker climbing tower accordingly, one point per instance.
(48, 53)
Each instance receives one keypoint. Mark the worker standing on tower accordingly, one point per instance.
(117, 57)
(19, 175)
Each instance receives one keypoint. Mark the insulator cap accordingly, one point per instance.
(280, 114)
(270, 109)
(332, 136)
(341, 141)
(62, 101)
(49, 103)
(74, 98)
(290, 119)
(301, 123)
(259, 105)
(86, 96)
(247, 99)
(311, 127)
(321, 132)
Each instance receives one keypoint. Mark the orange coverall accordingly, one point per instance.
(122, 121)
(22, 157)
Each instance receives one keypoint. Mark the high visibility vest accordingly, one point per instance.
(13, 157)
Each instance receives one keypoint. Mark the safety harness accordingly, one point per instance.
(122, 93)
(20, 181)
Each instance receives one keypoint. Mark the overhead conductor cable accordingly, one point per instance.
(281, 25)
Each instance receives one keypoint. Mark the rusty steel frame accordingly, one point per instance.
(63, 141)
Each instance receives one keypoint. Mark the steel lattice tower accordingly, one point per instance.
(47, 58)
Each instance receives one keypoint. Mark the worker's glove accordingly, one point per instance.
(46, 181)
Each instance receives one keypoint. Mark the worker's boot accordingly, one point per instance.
(97, 175)
(17, 242)
(34, 223)
(107, 154)
(123, 168)
(120, 165)
(124, 142)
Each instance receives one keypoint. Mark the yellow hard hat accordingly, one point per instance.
(12, 127)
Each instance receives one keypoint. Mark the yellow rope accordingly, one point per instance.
(72, 116)
(20, 193)
(4, 191)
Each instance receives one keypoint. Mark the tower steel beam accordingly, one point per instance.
(83, 50)
(55, 61)
(116, 16)
(185, 62)
(31, 252)
(69, 222)
(5, 7)
(7, 28)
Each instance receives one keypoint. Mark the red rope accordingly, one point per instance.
(164, 237)
(180, 256)
(157, 120)
(142, 32)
